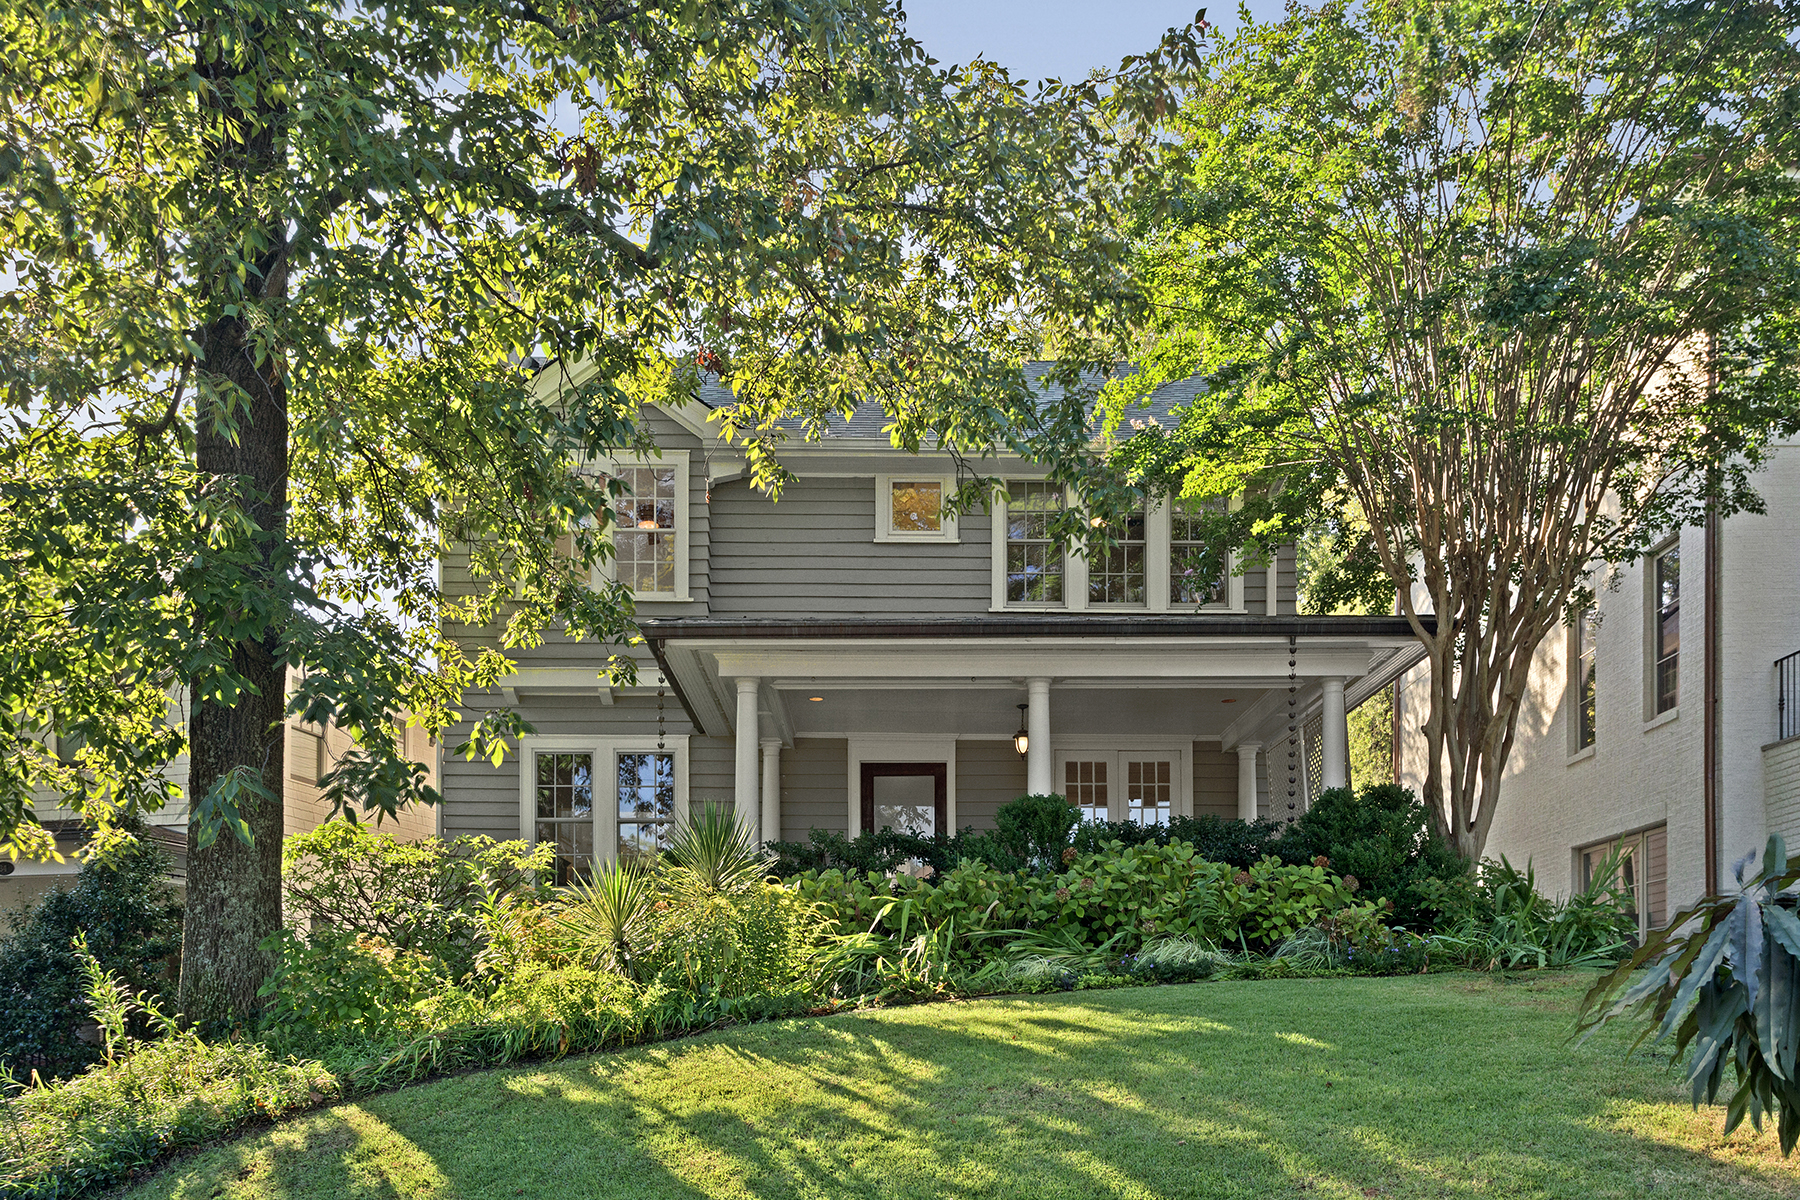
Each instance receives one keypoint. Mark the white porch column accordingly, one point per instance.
(1335, 737)
(744, 798)
(1247, 752)
(1039, 773)
(771, 790)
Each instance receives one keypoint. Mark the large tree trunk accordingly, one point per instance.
(234, 886)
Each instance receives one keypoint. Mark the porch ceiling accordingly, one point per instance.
(1175, 670)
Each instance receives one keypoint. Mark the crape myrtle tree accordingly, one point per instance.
(1515, 282)
(279, 276)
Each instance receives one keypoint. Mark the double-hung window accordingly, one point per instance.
(645, 539)
(1585, 678)
(1116, 572)
(648, 503)
(1034, 562)
(1197, 576)
(611, 800)
(1666, 636)
(563, 813)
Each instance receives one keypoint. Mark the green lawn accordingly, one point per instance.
(1449, 1085)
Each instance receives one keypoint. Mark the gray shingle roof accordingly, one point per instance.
(870, 421)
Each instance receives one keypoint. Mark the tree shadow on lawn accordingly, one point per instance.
(1222, 1090)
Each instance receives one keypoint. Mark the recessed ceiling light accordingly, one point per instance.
(815, 699)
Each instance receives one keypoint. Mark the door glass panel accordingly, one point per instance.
(1084, 786)
(906, 803)
(1148, 791)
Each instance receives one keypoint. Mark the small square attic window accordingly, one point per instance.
(910, 508)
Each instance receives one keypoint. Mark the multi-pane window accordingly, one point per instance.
(1034, 562)
(1585, 677)
(915, 506)
(565, 813)
(1643, 873)
(1668, 628)
(1196, 575)
(1147, 791)
(645, 539)
(646, 805)
(1116, 573)
(1084, 786)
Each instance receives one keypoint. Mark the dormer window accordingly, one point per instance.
(910, 508)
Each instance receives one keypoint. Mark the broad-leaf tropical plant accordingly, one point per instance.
(1722, 979)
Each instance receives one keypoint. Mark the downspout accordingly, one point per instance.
(1709, 736)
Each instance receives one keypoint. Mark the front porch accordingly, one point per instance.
(1133, 718)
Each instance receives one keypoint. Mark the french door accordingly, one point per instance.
(1121, 785)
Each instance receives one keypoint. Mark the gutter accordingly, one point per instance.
(1709, 724)
(659, 630)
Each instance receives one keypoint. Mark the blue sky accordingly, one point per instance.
(1065, 39)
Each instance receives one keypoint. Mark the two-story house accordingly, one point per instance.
(1668, 720)
(852, 655)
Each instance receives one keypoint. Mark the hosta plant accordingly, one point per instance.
(1723, 979)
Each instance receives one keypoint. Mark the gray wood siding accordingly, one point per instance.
(1256, 585)
(813, 553)
(814, 775)
(712, 769)
(988, 774)
(1215, 781)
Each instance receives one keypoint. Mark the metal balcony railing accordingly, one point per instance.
(1787, 697)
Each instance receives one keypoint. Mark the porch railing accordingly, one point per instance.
(1787, 697)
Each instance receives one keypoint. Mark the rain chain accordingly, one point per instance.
(661, 727)
(1293, 728)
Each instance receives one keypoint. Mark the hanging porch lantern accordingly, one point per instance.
(1022, 739)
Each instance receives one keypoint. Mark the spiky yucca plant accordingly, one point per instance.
(714, 853)
(1724, 979)
(613, 917)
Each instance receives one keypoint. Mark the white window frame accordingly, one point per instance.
(1116, 749)
(1652, 624)
(946, 533)
(1158, 525)
(605, 751)
(1579, 636)
(607, 572)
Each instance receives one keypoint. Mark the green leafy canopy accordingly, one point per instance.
(347, 239)
(1502, 293)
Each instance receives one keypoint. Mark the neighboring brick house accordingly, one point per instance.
(1612, 745)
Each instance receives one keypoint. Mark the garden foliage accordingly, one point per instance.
(485, 967)
(121, 903)
(422, 896)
